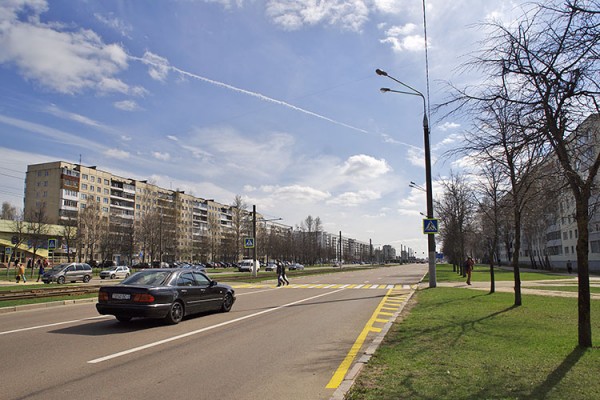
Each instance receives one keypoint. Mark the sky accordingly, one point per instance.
(273, 100)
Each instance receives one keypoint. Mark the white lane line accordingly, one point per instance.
(208, 328)
(54, 324)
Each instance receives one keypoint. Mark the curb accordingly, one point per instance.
(349, 379)
(50, 304)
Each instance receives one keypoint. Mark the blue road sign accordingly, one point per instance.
(249, 243)
(51, 244)
(430, 226)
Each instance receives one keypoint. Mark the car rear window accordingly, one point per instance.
(148, 278)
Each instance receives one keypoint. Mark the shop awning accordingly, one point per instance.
(24, 249)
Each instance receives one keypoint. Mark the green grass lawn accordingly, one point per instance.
(481, 273)
(462, 344)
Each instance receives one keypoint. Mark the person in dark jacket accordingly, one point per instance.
(281, 278)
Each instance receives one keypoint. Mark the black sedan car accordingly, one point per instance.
(169, 294)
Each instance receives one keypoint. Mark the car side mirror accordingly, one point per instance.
(213, 283)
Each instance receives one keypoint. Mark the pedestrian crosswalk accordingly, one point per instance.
(323, 286)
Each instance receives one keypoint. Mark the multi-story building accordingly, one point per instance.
(64, 190)
(558, 232)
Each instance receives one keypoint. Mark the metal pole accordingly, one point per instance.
(430, 237)
(255, 244)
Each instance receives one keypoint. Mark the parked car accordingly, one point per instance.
(246, 265)
(119, 271)
(170, 294)
(295, 267)
(271, 267)
(68, 272)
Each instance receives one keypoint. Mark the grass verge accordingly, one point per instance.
(481, 273)
(461, 344)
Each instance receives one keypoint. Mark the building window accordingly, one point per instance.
(570, 234)
(106, 182)
(595, 246)
(98, 199)
(565, 235)
(84, 186)
(105, 209)
(83, 196)
(566, 250)
(84, 177)
(105, 200)
(99, 189)
(92, 188)
(106, 191)
(92, 178)
(82, 205)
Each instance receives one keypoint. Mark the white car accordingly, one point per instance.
(119, 271)
(246, 265)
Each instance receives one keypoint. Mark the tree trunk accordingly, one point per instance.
(584, 306)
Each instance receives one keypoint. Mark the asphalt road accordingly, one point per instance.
(276, 343)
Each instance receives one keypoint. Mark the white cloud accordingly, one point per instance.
(296, 193)
(127, 105)
(364, 166)
(64, 61)
(158, 67)
(54, 110)
(353, 199)
(161, 156)
(401, 38)
(115, 23)
(448, 125)
(173, 138)
(116, 153)
(293, 15)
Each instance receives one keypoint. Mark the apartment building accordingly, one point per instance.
(64, 190)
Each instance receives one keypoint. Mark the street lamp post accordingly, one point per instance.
(430, 237)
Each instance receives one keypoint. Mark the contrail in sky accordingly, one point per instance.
(162, 66)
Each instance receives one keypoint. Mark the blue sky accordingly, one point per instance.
(276, 101)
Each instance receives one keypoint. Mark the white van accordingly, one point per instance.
(246, 265)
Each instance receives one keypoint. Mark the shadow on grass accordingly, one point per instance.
(557, 375)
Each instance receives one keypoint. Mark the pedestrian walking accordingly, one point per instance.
(21, 273)
(569, 267)
(281, 278)
(41, 269)
(469, 264)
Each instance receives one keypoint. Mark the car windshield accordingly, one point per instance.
(60, 267)
(148, 278)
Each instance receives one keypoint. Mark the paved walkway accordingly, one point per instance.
(529, 287)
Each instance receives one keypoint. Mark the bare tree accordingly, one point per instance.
(9, 212)
(455, 210)
(547, 65)
(37, 229)
(19, 232)
(69, 235)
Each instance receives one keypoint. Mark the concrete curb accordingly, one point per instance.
(350, 378)
(25, 307)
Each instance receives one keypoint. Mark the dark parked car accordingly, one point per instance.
(169, 294)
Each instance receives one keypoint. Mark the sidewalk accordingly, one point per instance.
(528, 287)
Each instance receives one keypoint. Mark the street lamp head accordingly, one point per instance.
(384, 90)
(380, 72)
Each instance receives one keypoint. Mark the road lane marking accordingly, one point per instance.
(342, 370)
(50, 325)
(208, 328)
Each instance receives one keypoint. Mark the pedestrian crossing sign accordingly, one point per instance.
(248, 243)
(430, 226)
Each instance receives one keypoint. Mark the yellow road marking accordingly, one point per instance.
(342, 370)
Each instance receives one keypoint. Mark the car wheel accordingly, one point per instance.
(227, 303)
(61, 280)
(112, 276)
(86, 279)
(175, 314)
(123, 318)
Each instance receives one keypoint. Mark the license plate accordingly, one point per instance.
(121, 296)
